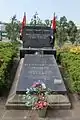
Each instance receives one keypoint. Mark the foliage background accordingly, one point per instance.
(8, 51)
(67, 31)
(69, 57)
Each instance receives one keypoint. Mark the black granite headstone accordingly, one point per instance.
(36, 36)
(45, 51)
(43, 68)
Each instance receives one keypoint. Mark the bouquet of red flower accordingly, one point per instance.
(36, 97)
(41, 104)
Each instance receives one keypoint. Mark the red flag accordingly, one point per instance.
(24, 20)
(23, 23)
(54, 23)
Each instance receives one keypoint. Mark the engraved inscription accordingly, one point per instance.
(39, 70)
(37, 36)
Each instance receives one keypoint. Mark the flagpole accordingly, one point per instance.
(54, 29)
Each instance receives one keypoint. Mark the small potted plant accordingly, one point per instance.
(41, 105)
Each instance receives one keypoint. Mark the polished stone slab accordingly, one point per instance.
(40, 68)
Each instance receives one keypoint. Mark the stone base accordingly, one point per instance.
(55, 102)
(58, 101)
(12, 93)
(15, 101)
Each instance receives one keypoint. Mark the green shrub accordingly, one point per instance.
(7, 53)
(71, 63)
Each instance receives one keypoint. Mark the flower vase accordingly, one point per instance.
(42, 112)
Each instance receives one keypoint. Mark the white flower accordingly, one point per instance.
(44, 86)
(27, 91)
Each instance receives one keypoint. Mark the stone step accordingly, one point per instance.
(55, 102)
(23, 107)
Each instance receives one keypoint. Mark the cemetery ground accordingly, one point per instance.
(61, 114)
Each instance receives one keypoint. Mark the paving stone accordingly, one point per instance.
(19, 114)
(59, 114)
(15, 113)
(32, 115)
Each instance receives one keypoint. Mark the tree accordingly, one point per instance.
(36, 20)
(66, 31)
(61, 34)
(77, 37)
(13, 28)
(47, 22)
(72, 31)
